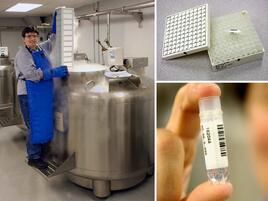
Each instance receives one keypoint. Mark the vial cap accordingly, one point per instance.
(209, 103)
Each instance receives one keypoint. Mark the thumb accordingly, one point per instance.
(210, 192)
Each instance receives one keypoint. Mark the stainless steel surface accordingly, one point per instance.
(5, 81)
(109, 126)
(101, 188)
(108, 26)
(147, 4)
(136, 64)
(21, 182)
(114, 184)
(9, 113)
(81, 57)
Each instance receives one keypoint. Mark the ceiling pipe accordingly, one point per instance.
(123, 9)
(108, 27)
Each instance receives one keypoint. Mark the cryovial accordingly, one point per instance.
(213, 138)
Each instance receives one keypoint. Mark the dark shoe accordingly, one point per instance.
(38, 163)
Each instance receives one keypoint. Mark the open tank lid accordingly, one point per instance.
(87, 67)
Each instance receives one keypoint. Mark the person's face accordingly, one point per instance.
(257, 108)
(31, 39)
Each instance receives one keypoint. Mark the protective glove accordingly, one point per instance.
(54, 23)
(60, 71)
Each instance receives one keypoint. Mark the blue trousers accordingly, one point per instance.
(34, 151)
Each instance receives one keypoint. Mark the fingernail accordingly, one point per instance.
(230, 184)
(199, 89)
(230, 187)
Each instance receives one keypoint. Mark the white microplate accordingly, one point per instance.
(233, 41)
(65, 36)
(186, 32)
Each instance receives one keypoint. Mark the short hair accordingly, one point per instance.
(28, 30)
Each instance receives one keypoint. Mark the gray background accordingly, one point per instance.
(197, 66)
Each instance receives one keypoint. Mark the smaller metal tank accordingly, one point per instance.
(8, 100)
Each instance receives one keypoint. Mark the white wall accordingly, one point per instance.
(137, 42)
(125, 32)
(11, 37)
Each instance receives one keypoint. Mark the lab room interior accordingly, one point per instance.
(133, 100)
(77, 100)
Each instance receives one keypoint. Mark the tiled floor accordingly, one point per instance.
(19, 182)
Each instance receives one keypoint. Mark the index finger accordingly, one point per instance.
(184, 118)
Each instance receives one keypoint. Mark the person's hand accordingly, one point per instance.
(60, 71)
(53, 27)
(176, 146)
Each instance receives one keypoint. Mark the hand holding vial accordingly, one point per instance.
(213, 138)
(176, 144)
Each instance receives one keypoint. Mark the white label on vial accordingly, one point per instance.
(214, 144)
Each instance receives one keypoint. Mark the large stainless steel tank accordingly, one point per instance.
(107, 125)
(8, 100)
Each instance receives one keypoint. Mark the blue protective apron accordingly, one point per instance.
(40, 98)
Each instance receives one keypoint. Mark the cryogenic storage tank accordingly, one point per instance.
(5, 81)
(104, 127)
(9, 113)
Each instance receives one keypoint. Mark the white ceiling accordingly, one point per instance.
(47, 8)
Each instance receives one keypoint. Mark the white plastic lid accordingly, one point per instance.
(86, 67)
(120, 74)
(209, 103)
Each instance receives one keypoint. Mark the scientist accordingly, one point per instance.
(35, 91)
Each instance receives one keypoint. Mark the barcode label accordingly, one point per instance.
(214, 144)
(222, 141)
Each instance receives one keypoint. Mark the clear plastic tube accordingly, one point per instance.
(213, 138)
